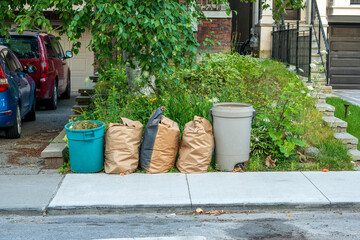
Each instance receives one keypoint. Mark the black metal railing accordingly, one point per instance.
(292, 46)
(321, 40)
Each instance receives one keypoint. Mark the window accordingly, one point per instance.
(11, 63)
(51, 53)
(354, 1)
(57, 47)
(23, 46)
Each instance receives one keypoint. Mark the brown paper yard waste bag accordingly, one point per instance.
(196, 146)
(160, 144)
(122, 143)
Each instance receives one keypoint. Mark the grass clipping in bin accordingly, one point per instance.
(196, 146)
(160, 143)
(122, 142)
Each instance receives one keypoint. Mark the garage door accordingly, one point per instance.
(81, 65)
(344, 44)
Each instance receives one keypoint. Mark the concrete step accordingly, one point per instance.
(319, 96)
(338, 125)
(316, 58)
(86, 91)
(83, 100)
(78, 109)
(54, 152)
(347, 139)
(318, 76)
(355, 154)
(94, 78)
(326, 109)
(326, 89)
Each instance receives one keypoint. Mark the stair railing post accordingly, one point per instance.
(287, 45)
(297, 47)
(327, 68)
(310, 41)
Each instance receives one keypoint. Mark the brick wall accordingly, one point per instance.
(222, 33)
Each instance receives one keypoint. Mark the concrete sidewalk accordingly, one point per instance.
(350, 95)
(103, 193)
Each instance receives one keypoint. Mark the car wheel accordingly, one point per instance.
(15, 131)
(31, 116)
(66, 94)
(53, 101)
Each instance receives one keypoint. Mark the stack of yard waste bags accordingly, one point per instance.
(159, 147)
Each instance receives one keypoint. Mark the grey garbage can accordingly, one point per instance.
(232, 130)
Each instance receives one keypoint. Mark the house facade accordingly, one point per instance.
(341, 24)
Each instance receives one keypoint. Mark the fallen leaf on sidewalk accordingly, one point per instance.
(199, 211)
(238, 170)
(269, 162)
(289, 215)
(211, 213)
(124, 173)
(325, 170)
(215, 212)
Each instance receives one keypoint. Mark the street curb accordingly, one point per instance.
(180, 209)
(52, 211)
(22, 211)
(58, 211)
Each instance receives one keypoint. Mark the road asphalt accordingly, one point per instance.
(100, 193)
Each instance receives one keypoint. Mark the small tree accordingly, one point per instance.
(155, 33)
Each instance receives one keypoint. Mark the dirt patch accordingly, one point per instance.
(35, 144)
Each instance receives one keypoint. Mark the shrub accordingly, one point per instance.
(284, 107)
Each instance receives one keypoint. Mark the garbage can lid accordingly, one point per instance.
(232, 110)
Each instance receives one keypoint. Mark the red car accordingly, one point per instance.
(44, 52)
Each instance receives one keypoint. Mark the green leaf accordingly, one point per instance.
(156, 23)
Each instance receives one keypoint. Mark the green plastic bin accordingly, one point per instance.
(86, 148)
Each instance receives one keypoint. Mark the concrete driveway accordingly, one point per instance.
(22, 156)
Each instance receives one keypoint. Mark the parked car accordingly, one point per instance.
(17, 93)
(43, 51)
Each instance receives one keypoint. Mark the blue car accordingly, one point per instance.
(17, 93)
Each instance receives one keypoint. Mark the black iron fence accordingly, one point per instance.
(292, 45)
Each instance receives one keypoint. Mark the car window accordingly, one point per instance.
(18, 64)
(22, 46)
(10, 61)
(51, 52)
(61, 50)
(57, 47)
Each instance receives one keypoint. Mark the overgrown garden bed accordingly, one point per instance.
(287, 121)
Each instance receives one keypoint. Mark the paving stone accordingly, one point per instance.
(338, 187)
(113, 191)
(83, 100)
(355, 154)
(346, 138)
(335, 122)
(326, 109)
(27, 193)
(54, 150)
(78, 108)
(253, 190)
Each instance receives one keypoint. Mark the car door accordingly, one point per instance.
(17, 75)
